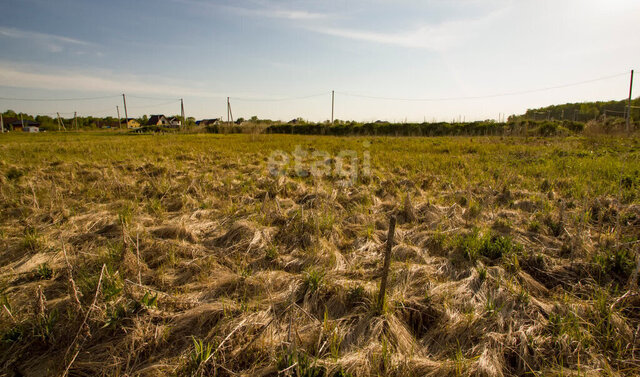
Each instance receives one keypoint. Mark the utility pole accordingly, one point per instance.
(60, 123)
(75, 120)
(21, 122)
(119, 121)
(629, 105)
(184, 120)
(1, 124)
(333, 97)
(126, 116)
(229, 113)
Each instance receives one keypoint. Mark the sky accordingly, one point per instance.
(414, 60)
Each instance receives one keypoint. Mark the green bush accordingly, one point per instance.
(489, 245)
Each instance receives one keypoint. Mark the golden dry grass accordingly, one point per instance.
(181, 255)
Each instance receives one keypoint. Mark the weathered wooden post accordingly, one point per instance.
(387, 263)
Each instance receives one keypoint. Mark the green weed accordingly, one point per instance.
(44, 272)
(313, 279)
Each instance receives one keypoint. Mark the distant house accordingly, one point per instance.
(31, 127)
(25, 125)
(174, 122)
(158, 120)
(130, 123)
(208, 122)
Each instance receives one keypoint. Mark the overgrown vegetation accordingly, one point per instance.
(182, 255)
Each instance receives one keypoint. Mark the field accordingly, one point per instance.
(156, 255)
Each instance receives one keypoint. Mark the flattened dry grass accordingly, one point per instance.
(181, 255)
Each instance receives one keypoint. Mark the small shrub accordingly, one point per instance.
(470, 245)
(111, 285)
(115, 315)
(313, 279)
(44, 272)
(271, 253)
(482, 274)
(149, 301)
(356, 295)
(44, 324)
(31, 240)
(494, 246)
(617, 261)
(534, 226)
(200, 354)
(489, 245)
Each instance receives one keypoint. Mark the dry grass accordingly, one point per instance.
(181, 255)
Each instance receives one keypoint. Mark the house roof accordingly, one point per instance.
(154, 119)
(207, 121)
(26, 122)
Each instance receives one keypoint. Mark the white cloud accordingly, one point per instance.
(38, 77)
(260, 9)
(49, 42)
(432, 37)
(285, 13)
(25, 34)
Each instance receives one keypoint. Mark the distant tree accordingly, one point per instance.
(589, 109)
(10, 113)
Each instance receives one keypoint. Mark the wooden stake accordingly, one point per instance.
(387, 263)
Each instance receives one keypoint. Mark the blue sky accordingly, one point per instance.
(268, 55)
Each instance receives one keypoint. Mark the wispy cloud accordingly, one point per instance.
(435, 37)
(18, 33)
(50, 42)
(260, 9)
(288, 14)
(39, 77)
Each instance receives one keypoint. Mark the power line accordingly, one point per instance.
(153, 98)
(279, 99)
(485, 96)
